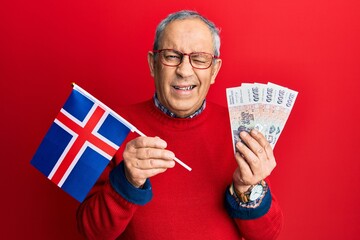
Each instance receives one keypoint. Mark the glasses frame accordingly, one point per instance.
(182, 57)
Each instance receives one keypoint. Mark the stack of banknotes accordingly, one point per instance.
(265, 107)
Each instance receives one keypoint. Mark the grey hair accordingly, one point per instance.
(188, 14)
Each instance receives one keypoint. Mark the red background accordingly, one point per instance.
(312, 46)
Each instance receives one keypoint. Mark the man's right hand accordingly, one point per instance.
(145, 157)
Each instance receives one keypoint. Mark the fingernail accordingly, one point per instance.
(173, 164)
(243, 134)
(171, 155)
(254, 131)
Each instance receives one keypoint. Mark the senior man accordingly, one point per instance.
(142, 196)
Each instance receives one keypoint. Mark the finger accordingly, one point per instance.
(256, 148)
(245, 172)
(149, 142)
(255, 158)
(154, 164)
(244, 147)
(263, 142)
(242, 157)
(154, 153)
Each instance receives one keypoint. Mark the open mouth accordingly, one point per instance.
(185, 88)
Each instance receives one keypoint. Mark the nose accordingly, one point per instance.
(185, 69)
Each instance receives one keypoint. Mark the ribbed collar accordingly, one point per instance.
(173, 115)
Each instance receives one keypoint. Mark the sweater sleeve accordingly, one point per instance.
(262, 222)
(111, 204)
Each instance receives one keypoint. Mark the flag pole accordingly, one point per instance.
(121, 119)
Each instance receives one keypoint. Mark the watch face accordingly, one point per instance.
(256, 192)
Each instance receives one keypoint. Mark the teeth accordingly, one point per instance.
(184, 88)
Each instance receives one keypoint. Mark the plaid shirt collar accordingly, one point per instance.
(171, 114)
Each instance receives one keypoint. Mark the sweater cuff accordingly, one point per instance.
(237, 211)
(122, 186)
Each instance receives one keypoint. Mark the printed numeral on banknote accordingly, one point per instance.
(265, 107)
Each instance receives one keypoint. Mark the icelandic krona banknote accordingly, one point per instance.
(265, 107)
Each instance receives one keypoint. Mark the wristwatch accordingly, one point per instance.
(253, 193)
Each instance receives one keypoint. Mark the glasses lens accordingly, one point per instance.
(171, 57)
(174, 58)
(201, 60)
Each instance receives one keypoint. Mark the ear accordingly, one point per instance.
(215, 70)
(151, 62)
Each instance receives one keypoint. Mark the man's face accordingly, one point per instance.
(182, 89)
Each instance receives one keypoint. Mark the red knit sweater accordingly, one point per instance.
(185, 205)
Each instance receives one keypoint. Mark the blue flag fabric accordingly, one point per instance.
(80, 143)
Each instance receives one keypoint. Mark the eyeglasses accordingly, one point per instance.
(173, 58)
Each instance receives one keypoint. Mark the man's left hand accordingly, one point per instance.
(255, 159)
